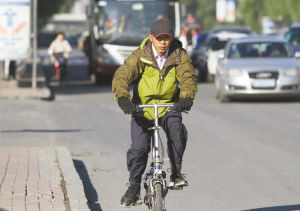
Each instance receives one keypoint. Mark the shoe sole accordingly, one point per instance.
(137, 203)
(177, 186)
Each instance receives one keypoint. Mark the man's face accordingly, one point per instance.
(161, 43)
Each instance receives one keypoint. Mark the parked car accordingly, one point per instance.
(199, 57)
(205, 59)
(293, 38)
(233, 29)
(257, 65)
(201, 39)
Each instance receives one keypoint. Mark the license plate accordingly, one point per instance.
(264, 83)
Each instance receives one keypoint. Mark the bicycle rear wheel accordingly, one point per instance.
(158, 198)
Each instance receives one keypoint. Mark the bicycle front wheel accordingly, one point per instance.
(158, 198)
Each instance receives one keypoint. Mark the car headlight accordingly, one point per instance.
(234, 72)
(291, 72)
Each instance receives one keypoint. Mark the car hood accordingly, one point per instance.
(262, 63)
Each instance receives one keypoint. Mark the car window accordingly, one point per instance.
(259, 49)
(293, 37)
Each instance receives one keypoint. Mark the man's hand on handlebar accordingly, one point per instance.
(184, 104)
(126, 105)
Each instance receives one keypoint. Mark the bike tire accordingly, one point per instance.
(158, 198)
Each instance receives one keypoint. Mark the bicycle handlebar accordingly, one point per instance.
(173, 107)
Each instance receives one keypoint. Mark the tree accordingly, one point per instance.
(282, 12)
(46, 8)
(203, 9)
(249, 12)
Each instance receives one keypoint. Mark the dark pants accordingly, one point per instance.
(63, 66)
(137, 155)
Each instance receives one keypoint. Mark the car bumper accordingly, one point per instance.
(243, 87)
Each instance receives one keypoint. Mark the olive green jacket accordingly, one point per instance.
(176, 80)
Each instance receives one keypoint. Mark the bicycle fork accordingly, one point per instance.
(155, 174)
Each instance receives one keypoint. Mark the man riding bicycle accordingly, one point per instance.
(162, 73)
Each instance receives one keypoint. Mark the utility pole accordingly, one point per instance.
(34, 42)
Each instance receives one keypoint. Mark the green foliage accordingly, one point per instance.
(203, 9)
(249, 12)
(283, 12)
(46, 8)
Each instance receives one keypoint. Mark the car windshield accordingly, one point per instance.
(259, 49)
(215, 44)
(293, 37)
(128, 22)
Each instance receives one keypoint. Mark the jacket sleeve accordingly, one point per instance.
(125, 74)
(186, 77)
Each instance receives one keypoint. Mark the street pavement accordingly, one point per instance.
(39, 178)
(241, 156)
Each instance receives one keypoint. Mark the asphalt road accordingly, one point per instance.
(240, 155)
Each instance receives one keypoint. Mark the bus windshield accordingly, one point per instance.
(129, 22)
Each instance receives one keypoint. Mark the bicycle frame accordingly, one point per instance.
(156, 175)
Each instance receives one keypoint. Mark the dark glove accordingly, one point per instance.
(184, 104)
(126, 105)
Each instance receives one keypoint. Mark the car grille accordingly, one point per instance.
(264, 75)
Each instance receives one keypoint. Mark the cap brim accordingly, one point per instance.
(163, 34)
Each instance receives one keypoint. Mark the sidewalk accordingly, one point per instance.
(41, 179)
(22, 86)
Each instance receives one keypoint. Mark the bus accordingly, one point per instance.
(117, 27)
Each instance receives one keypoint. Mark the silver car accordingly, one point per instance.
(259, 66)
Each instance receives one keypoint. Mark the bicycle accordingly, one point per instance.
(155, 180)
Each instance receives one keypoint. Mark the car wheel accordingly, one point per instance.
(197, 73)
(210, 78)
(223, 98)
(96, 79)
(217, 93)
(217, 87)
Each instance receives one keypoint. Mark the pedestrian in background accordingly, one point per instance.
(59, 51)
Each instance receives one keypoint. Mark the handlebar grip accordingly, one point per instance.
(138, 109)
(174, 109)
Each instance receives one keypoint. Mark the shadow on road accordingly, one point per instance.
(90, 192)
(272, 100)
(42, 131)
(278, 208)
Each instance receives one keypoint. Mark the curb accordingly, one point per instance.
(21, 87)
(10, 89)
(72, 182)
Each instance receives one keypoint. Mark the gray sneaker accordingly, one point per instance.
(177, 181)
